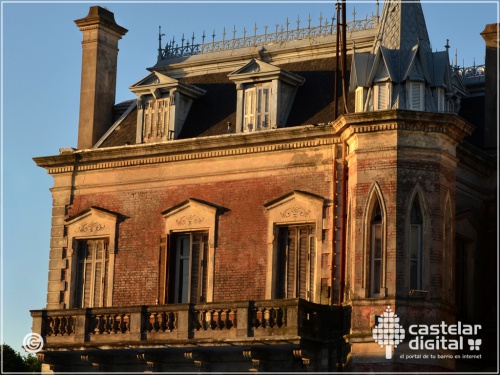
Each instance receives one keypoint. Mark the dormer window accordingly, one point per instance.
(265, 95)
(415, 98)
(440, 100)
(163, 104)
(360, 99)
(257, 108)
(157, 120)
(381, 96)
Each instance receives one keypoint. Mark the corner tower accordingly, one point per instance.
(402, 72)
(402, 161)
(99, 65)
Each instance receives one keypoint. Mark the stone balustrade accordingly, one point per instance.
(152, 324)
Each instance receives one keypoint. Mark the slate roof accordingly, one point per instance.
(210, 113)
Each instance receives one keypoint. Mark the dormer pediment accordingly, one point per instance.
(157, 84)
(260, 71)
(383, 67)
(417, 66)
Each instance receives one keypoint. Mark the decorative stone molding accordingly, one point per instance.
(94, 223)
(296, 207)
(194, 215)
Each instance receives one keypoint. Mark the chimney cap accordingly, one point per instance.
(101, 16)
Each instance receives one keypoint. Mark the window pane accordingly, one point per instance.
(413, 275)
(183, 281)
(377, 275)
(376, 258)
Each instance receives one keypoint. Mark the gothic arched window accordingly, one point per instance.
(416, 246)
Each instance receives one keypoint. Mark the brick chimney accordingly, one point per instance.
(99, 62)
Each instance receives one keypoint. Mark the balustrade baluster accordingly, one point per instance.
(64, 325)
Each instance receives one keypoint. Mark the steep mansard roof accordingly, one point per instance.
(210, 113)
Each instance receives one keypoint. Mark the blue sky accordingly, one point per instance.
(41, 63)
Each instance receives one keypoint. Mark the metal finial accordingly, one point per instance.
(160, 55)
(447, 46)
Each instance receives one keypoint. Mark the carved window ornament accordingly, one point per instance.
(163, 105)
(92, 224)
(258, 86)
(292, 209)
(195, 216)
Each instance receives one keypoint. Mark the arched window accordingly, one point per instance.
(416, 246)
(376, 253)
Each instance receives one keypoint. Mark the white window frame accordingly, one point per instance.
(415, 96)
(257, 108)
(382, 92)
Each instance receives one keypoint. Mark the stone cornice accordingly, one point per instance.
(449, 124)
(189, 149)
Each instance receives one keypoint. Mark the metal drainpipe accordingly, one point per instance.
(334, 172)
(343, 242)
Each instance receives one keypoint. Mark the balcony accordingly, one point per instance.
(185, 324)
(271, 335)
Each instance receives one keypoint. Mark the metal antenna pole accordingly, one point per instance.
(337, 65)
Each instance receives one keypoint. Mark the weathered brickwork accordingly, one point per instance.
(241, 239)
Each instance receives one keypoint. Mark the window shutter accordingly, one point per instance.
(360, 99)
(198, 269)
(382, 95)
(291, 263)
(87, 281)
(162, 270)
(282, 252)
(312, 262)
(249, 110)
(303, 262)
(262, 113)
(416, 97)
(203, 263)
(440, 100)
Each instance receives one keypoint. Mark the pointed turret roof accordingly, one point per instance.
(402, 27)
(402, 56)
